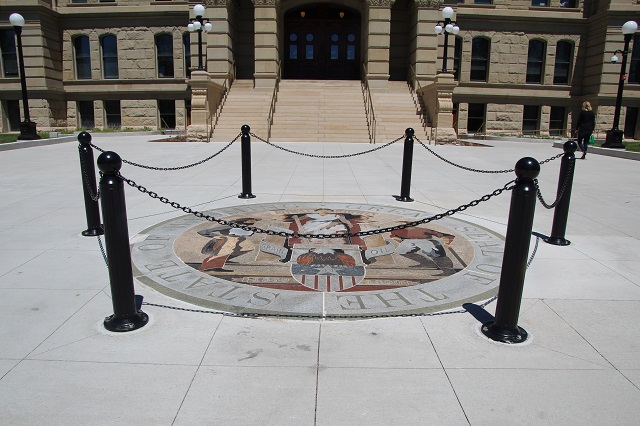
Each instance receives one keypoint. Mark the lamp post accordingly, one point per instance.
(27, 127)
(447, 26)
(614, 136)
(198, 24)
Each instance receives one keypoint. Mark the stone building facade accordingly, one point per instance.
(516, 67)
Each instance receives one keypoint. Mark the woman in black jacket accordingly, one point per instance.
(584, 127)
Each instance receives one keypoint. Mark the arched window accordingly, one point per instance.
(535, 61)
(164, 52)
(109, 45)
(9, 56)
(186, 44)
(479, 59)
(562, 69)
(83, 57)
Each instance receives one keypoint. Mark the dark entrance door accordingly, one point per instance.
(322, 42)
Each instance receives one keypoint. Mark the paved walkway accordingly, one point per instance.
(58, 366)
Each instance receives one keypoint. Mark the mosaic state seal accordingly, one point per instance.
(301, 268)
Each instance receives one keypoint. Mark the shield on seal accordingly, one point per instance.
(329, 269)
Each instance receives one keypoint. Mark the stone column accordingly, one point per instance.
(424, 46)
(379, 41)
(438, 98)
(266, 44)
(545, 117)
(217, 42)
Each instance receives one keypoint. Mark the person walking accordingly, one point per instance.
(584, 127)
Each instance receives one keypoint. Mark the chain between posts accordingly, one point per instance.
(292, 234)
(562, 188)
(478, 170)
(325, 156)
(85, 179)
(311, 316)
(104, 254)
(131, 163)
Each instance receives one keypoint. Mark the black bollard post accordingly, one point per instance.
(245, 141)
(504, 327)
(407, 162)
(126, 316)
(89, 187)
(561, 213)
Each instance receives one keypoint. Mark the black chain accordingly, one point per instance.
(312, 316)
(325, 156)
(459, 166)
(533, 254)
(507, 187)
(562, 188)
(131, 163)
(104, 254)
(477, 170)
(555, 157)
(85, 179)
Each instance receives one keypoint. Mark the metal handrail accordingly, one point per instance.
(226, 87)
(274, 99)
(368, 105)
(417, 99)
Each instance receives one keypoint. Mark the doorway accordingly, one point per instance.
(322, 42)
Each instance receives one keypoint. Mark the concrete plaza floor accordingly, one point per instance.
(581, 306)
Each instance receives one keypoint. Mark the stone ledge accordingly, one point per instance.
(40, 142)
(619, 153)
(8, 146)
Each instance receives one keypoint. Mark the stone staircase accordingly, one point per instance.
(396, 111)
(320, 111)
(244, 105)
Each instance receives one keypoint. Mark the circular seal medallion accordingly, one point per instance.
(418, 269)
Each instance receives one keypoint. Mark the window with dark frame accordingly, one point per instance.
(186, 44)
(82, 57)
(530, 119)
(562, 68)
(164, 52)
(557, 121)
(535, 61)
(479, 59)
(631, 122)
(634, 66)
(9, 53)
(112, 114)
(167, 112)
(457, 57)
(109, 45)
(475, 118)
(86, 117)
(13, 114)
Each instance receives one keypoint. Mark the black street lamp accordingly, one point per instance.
(27, 127)
(614, 136)
(449, 27)
(198, 24)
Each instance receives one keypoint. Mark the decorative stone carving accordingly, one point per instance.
(428, 4)
(264, 3)
(380, 3)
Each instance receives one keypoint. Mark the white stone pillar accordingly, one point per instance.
(217, 49)
(378, 43)
(266, 43)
